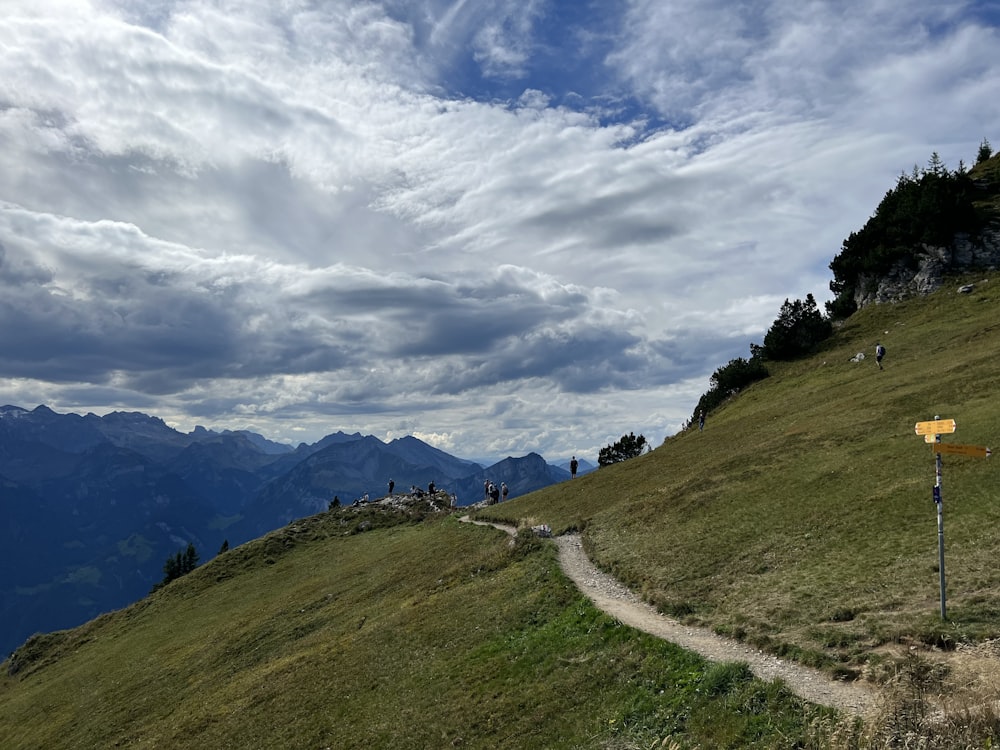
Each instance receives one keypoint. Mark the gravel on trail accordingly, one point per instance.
(610, 596)
(616, 600)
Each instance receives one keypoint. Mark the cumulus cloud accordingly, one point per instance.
(509, 226)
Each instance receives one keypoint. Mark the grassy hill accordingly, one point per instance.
(801, 520)
(415, 635)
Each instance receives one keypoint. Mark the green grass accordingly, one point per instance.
(435, 634)
(801, 519)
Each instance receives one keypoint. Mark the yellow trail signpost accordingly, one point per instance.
(932, 431)
(935, 427)
(975, 451)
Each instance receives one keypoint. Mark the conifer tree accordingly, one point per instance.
(985, 151)
(190, 559)
(628, 447)
(178, 565)
(800, 326)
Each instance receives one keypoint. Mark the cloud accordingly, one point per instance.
(391, 216)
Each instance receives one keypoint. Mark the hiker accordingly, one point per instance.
(879, 353)
(494, 494)
(486, 489)
(573, 466)
(391, 485)
(503, 489)
(430, 488)
(701, 420)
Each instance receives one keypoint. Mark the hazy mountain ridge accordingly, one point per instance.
(98, 503)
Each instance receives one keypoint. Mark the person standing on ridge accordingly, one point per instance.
(701, 420)
(392, 484)
(573, 466)
(879, 353)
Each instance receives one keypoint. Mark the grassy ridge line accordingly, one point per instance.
(801, 518)
(414, 636)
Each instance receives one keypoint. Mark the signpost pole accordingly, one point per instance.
(932, 431)
(938, 500)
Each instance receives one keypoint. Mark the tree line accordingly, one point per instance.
(929, 206)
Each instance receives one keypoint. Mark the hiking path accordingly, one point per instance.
(619, 602)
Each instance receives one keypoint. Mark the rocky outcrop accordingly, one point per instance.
(927, 272)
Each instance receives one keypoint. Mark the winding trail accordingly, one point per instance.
(616, 600)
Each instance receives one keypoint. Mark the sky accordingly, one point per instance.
(504, 227)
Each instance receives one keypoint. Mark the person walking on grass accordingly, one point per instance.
(879, 353)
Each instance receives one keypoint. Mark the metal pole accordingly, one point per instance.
(940, 524)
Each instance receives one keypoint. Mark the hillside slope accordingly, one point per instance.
(412, 635)
(801, 519)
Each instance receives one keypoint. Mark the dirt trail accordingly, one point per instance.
(619, 602)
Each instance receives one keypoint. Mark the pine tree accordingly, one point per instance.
(178, 565)
(799, 328)
(628, 447)
(190, 559)
(985, 151)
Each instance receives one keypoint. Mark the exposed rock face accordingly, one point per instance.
(933, 265)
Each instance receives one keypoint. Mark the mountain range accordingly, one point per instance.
(93, 505)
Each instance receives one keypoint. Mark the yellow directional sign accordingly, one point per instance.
(935, 427)
(962, 450)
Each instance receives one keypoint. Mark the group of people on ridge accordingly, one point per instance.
(492, 493)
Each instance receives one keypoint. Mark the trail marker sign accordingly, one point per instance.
(935, 427)
(932, 431)
(976, 451)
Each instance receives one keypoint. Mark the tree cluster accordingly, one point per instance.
(729, 380)
(798, 330)
(927, 207)
(628, 447)
(800, 326)
(178, 565)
